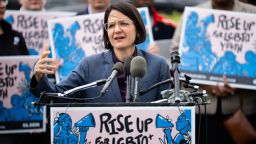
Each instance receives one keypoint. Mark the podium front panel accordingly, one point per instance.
(122, 124)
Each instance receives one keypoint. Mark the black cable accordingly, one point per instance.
(206, 124)
(43, 99)
(199, 122)
(156, 85)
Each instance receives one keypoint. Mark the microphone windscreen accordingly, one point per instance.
(175, 57)
(174, 53)
(138, 66)
(127, 65)
(119, 67)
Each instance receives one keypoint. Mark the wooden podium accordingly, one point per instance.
(122, 123)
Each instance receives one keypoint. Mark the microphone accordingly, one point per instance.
(138, 69)
(175, 60)
(117, 68)
(127, 64)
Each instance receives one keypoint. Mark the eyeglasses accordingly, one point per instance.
(4, 2)
(122, 24)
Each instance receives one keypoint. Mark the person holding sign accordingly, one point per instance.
(11, 41)
(163, 28)
(224, 99)
(123, 29)
(32, 5)
(95, 6)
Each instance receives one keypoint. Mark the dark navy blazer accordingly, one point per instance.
(98, 67)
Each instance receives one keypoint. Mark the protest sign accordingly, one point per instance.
(33, 26)
(17, 112)
(216, 43)
(123, 124)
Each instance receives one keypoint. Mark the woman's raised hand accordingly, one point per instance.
(45, 65)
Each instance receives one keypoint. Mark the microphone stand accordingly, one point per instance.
(175, 60)
(136, 89)
(87, 86)
(44, 96)
(128, 89)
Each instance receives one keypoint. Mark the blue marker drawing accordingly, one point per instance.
(22, 109)
(67, 48)
(198, 55)
(63, 129)
(183, 126)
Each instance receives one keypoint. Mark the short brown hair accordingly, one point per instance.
(130, 11)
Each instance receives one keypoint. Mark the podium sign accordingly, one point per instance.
(149, 124)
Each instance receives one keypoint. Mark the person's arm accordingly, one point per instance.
(44, 66)
(219, 90)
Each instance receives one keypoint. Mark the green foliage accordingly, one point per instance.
(174, 15)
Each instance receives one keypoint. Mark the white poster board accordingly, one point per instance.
(216, 43)
(33, 26)
(17, 114)
(123, 124)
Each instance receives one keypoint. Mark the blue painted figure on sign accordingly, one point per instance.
(67, 47)
(249, 68)
(63, 133)
(18, 111)
(191, 58)
(167, 125)
(227, 65)
(4, 113)
(63, 130)
(22, 109)
(198, 55)
(27, 96)
(183, 126)
(10, 19)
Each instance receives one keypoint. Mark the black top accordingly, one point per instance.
(162, 31)
(11, 41)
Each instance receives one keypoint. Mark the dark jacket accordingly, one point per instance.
(98, 67)
(162, 27)
(11, 42)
